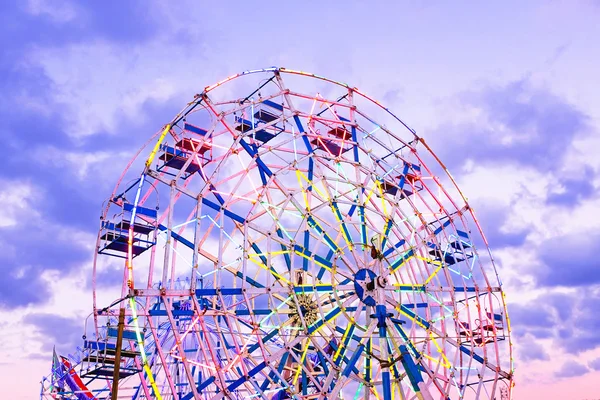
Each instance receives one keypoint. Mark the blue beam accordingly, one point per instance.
(398, 263)
(254, 154)
(253, 312)
(328, 258)
(200, 388)
(465, 289)
(341, 220)
(264, 260)
(414, 374)
(194, 129)
(475, 356)
(176, 313)
(259, 253)
(214, 292)
(314, 224)
(350, 366)
(414, 316)
(251, 373)
(316, 257)
(441, 228)
(264, 339)
(273, 105)
(248, 279)
(310, 173)
(363, 224)
(328, 317)
(306, 246)
(403, 176)
(304, 137)
(386, 383)
(354, 139)
(381, 314)
(391, 249)
(349, 334)
(149, 212)
(213, 189)
(416, 305)
(310, 288)
(352, 209)
(386, 232)
(368, 367)
(322, 361)
(396, 374)
(273, 376)
(228, 213)
(354, 337)
(288, 261)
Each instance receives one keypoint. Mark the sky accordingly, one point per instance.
(505, 94)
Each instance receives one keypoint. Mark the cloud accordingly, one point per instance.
(494, 218)
(60, 22)
(583, 334)
(52, 186)
(133, 21)
(20, 290)
(561, 303)
(570, 260)
(54, 329)
(28, 252)
(30, 245)
(57, 11)
(531, 318)
(530, 349)
(85, 165)
(573, 190)
(17, 199)
(101, 87)
(514, 123)
(110, 276)
(571, 369)
(595, 364)
(568, 319)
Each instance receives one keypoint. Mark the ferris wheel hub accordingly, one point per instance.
(367, 284)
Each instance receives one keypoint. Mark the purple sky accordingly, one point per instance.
(506, 95)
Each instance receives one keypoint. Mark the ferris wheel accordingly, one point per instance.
(287, 237)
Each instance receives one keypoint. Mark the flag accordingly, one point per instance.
(57, 377)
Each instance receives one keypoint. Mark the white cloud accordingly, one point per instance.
(584, 152)
(17, 199)
(100, 83)
(102, 166)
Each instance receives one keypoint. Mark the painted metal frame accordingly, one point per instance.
(305, 251)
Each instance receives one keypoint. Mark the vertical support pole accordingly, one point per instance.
(117, 370)
(168, 250)
(197, 238)
(381, 315)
